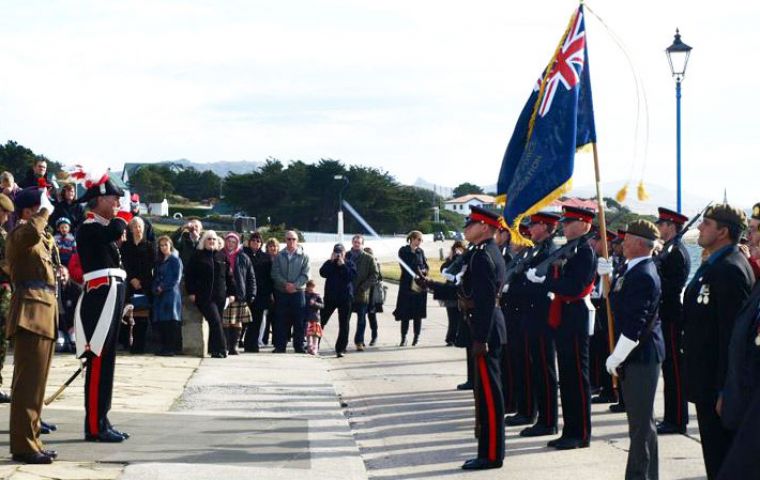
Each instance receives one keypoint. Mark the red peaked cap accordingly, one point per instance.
(668, 215)
(570, 214)
(479, 214)
(547, 218)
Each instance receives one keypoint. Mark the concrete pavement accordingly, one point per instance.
(385, 413)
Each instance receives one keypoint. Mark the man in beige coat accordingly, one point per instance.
(31, 322)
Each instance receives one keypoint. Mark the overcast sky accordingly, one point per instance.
(419, 88)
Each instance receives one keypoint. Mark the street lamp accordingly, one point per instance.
(340, 204)
(678, 57)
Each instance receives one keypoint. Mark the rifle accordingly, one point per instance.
(668, 247)
(521, 261)
(565, 251)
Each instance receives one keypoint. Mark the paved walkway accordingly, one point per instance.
(386, 413)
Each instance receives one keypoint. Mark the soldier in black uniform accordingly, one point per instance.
(538, 338)
(710, 305)
(673, 264)
(508, 365)
(599, 346)
(480, 289)
(571, 314)
(99, 310)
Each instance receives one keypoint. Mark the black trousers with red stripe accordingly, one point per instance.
(544, 355)
(574, 387)
(490, 401)
(98, 382)
(676, 406)
(516, 377)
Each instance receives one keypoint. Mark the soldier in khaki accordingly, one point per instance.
(6, 208)
(31, 322)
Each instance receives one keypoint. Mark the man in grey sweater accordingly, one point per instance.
(290, 272)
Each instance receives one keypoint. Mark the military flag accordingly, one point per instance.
(557, 120)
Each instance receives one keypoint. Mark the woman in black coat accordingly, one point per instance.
(411, 304)
(138, 256)
(209, 284)
(262, 268)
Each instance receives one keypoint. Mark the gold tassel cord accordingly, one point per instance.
(622, 194)
(643, 194)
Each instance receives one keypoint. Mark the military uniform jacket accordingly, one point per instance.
(635, 302)
(96, 243)
(526, 296)
(743, 373)
(29, 258)
(571, 280)
(711, 301)
(482, 283)
(673, 265)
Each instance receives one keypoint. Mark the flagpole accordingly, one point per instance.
(606, 255)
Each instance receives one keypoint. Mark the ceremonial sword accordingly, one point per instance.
(51, 398)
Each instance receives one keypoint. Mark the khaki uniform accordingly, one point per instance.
(32, 323)
(5, 301)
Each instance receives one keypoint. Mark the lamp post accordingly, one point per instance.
(340, 204)
(678, 57)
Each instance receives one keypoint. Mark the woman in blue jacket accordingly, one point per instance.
(167, 300)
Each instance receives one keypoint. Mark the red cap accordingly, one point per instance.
(546, 218)
(668, 215)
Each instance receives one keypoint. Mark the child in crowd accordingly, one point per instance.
(314, 304)
(67, 243)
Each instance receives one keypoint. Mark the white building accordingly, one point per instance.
(462, 204)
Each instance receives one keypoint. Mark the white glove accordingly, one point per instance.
(531, 275)
(458, 276)
(623, 348)
(45, 202)
(449, 277)
(603, 266)
(505, 289)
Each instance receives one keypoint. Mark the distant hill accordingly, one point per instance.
(221, 168)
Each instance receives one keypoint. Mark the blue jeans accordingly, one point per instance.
(290, 308)
(361, 322)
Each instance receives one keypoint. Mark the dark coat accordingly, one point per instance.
(262, 269)
(73, 211)
(525, 299)
(208, 277)
(673, 265)
(167, 305)
(743, 373)
(68, 299)
(339, 281)
(245, 278)
(138, 262)
(410, 304)
(635, 301)
(711, 301)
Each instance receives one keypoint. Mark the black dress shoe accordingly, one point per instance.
(123, 434)
(339, 355)
(553, 443)
(36, 458)
(218, 355)
(538, 431)
(50, 426)
(106, 436)
(278, 350)
(373, 342)
(604, 399)
(667, 428)
(518, 419)
(403, 342)
(5, 398)
(617, 408)
(481, 464)
(465, 386)
(415, 340)
(571, 443)
(50, 453)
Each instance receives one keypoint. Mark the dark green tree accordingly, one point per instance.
(466, 188)
(18, 159)
(152, 182)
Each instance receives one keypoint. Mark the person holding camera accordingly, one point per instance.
(339, 275)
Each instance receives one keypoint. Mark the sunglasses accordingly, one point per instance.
(291, 239)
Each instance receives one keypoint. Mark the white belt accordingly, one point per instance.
(105, 272)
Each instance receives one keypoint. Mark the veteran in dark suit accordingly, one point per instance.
(711, 302)
(639, 350)
(740, 409)
(31, 322)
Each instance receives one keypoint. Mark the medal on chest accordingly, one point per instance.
(757, 337)
(618, 284)
(703, 296)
